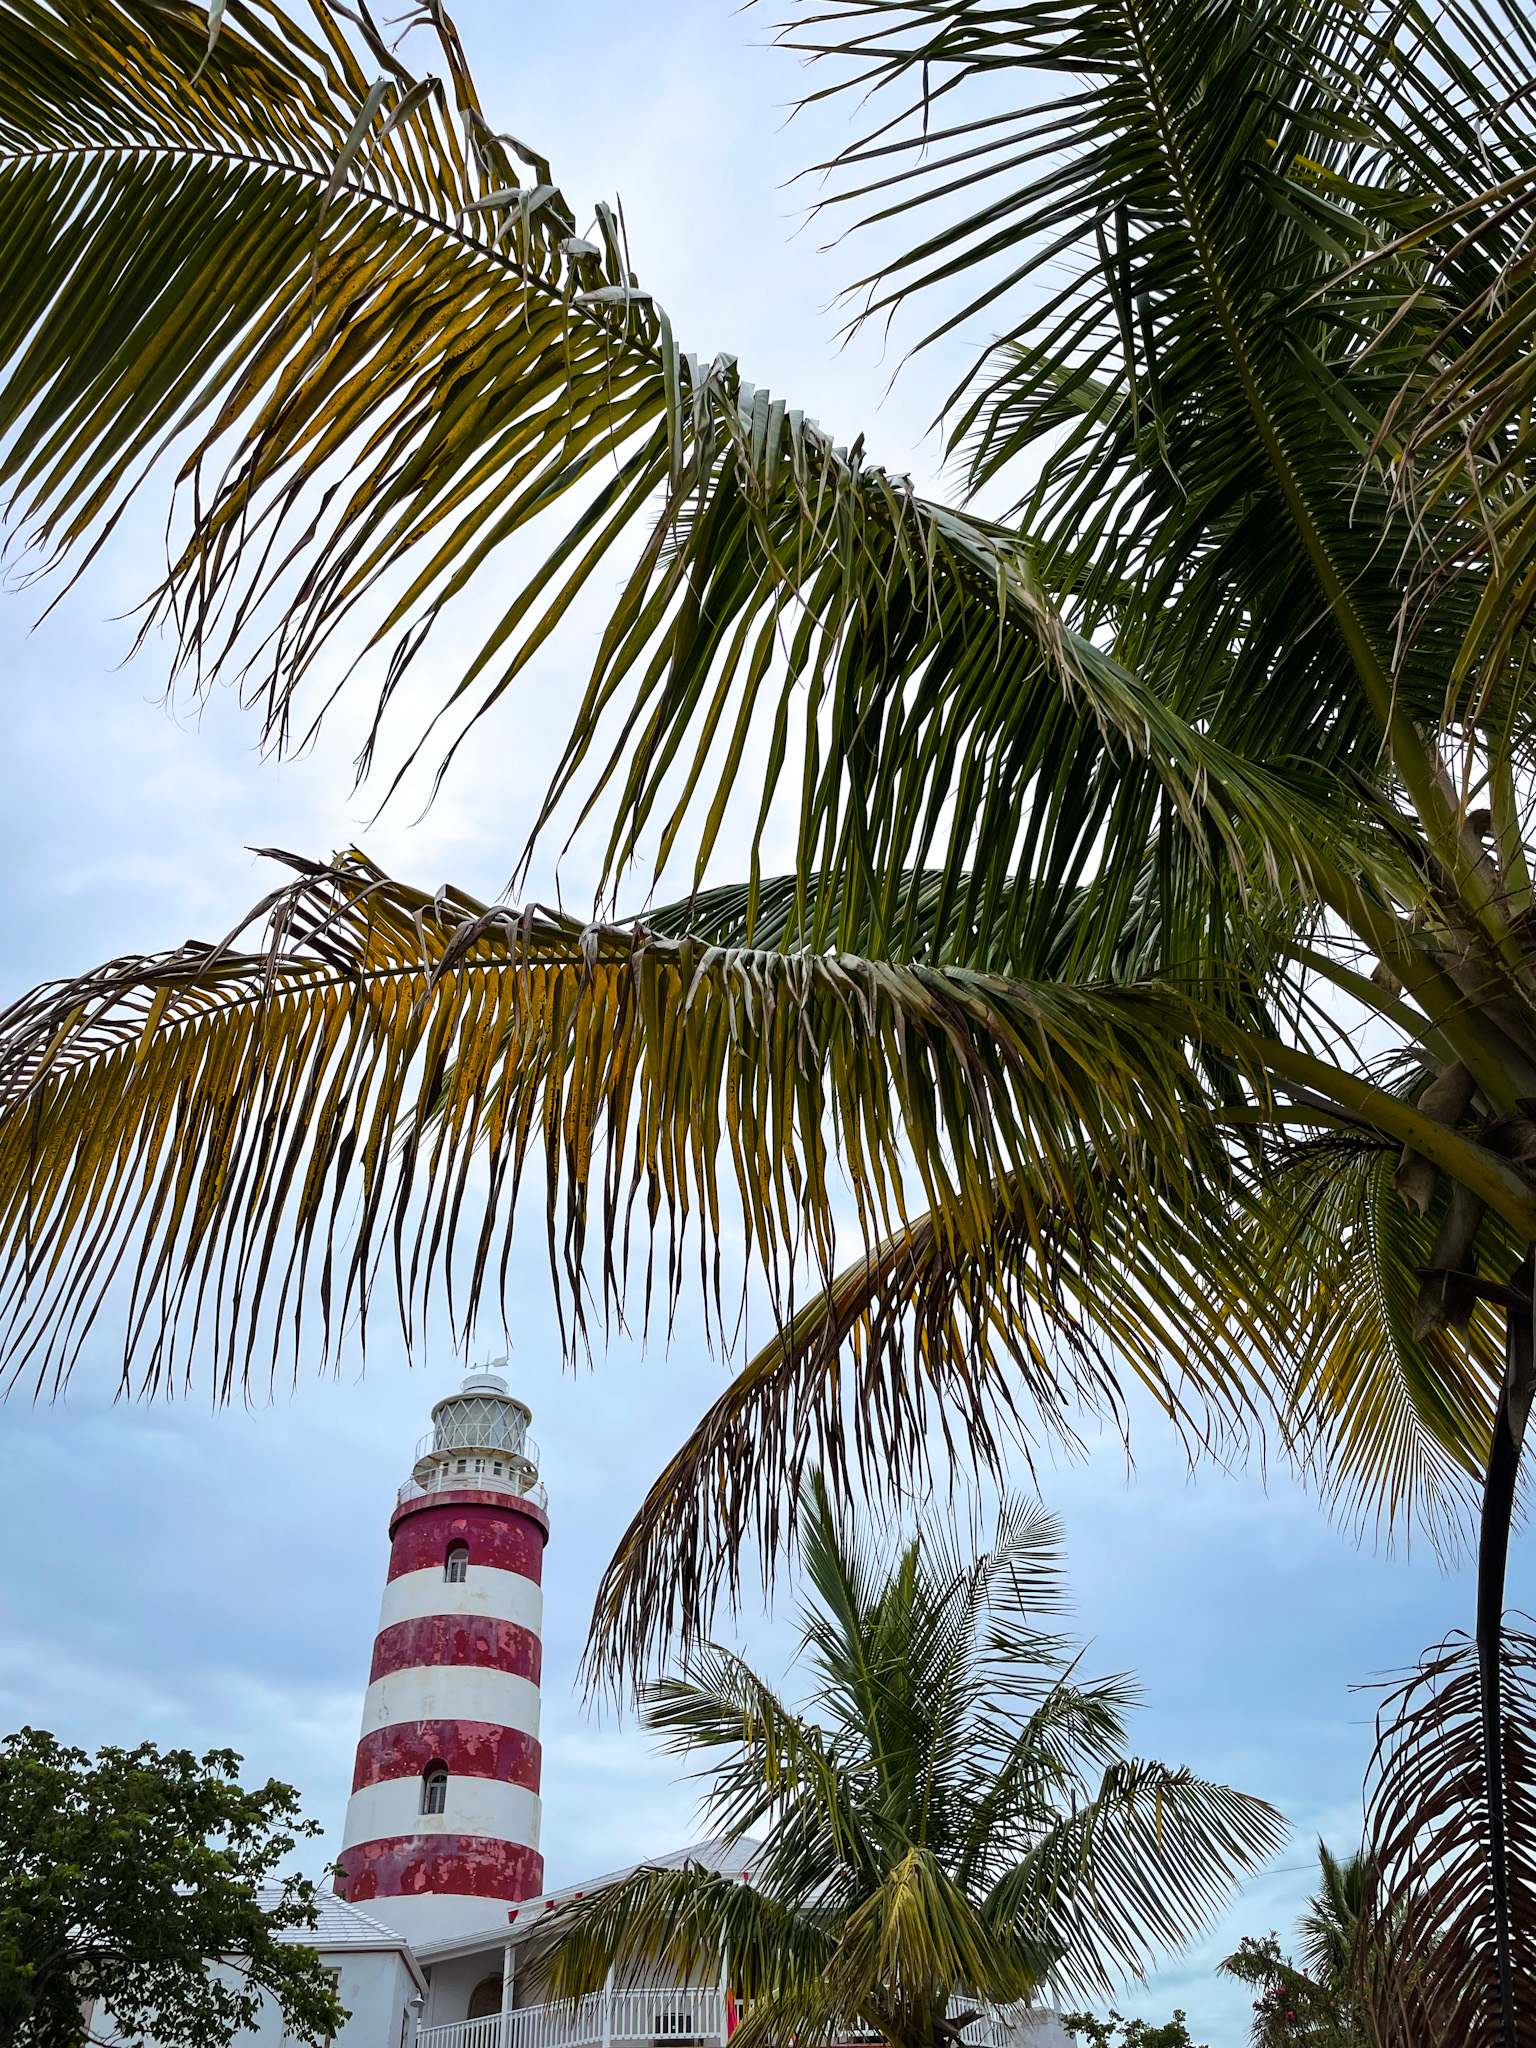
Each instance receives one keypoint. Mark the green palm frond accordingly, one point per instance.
(378, 1051)
(1294, 1306)
(680, 1920)
(1144, 1864)
(539, 375)
(919, 1925)
(993, 1348)
(1161, 209)
(305, 207)
(1328, 1933)
(1392, 1418)
(772, 1754)
(951, 1820)
(1150, 216)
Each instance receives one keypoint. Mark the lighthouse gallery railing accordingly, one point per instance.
(688, 2014)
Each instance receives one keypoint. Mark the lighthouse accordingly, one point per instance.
(442, 1832)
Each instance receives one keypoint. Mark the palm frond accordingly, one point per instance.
(1159, 211)
(1293, 1304)
(691, 1921)
(994, 1349)
(378, 1041)
(378, 1038)
(1141, 1868)
(1435, 1979)
(918, 1927)
(267, 236)
(1329, 1932)
(1077, 1727)
(773, 1755)
(1391, 1420)
(945, 705)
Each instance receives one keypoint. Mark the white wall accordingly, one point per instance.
(374, 1987)
(453, 1981)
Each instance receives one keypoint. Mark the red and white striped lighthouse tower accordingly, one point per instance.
(442, 1827)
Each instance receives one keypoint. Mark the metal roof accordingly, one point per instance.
(724, 1853)
(340, 1926)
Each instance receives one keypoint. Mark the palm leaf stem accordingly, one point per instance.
(1394, 942)
(1378, 1109)
(1370, 995)
(1492, 1558)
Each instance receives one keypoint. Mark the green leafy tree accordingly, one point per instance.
(1156, 965)
(957, 1823)
(1119, 2032)
(1292, 2006)
(137, 1882)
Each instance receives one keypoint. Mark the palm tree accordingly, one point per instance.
(1328, 1932)
(958, 1822)
(1156, 963)
(1324, 2002)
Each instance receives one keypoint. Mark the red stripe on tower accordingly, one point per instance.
(442, 1830)
(465, 1866)
(456, 1639)
(469, 1749)
(501, 1538)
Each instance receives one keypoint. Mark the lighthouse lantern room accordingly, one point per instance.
(442, 1832)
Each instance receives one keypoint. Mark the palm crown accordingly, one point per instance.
(1104, 808)
(957, 1821)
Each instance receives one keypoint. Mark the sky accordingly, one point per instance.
(211, 1577)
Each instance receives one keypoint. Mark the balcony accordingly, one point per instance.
(485, 1470)
(688, 2017)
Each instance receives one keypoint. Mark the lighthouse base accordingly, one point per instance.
(440, 1916)
(432, 1886)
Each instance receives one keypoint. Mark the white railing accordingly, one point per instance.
(524, 1485)
(484, 2033)
(993, 2029)
(693, 2013)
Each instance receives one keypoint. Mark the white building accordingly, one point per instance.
(440, 1862)
(378, 1980)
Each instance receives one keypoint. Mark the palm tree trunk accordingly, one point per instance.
(1493, 1552)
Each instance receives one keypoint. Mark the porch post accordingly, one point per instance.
(608, 2010)
(508, 1979)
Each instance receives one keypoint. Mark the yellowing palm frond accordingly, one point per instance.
(379, 1041)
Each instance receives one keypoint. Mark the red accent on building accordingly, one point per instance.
(510, 1537)
(469, 1749)
(445, 1640)
(473, 1866)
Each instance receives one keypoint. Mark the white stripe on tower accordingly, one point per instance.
(442, 1832)
(458, 1693)
(506, 1595)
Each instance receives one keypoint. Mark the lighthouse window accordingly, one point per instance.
(434, 1790)
(456, 1564)
(463, 1464)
